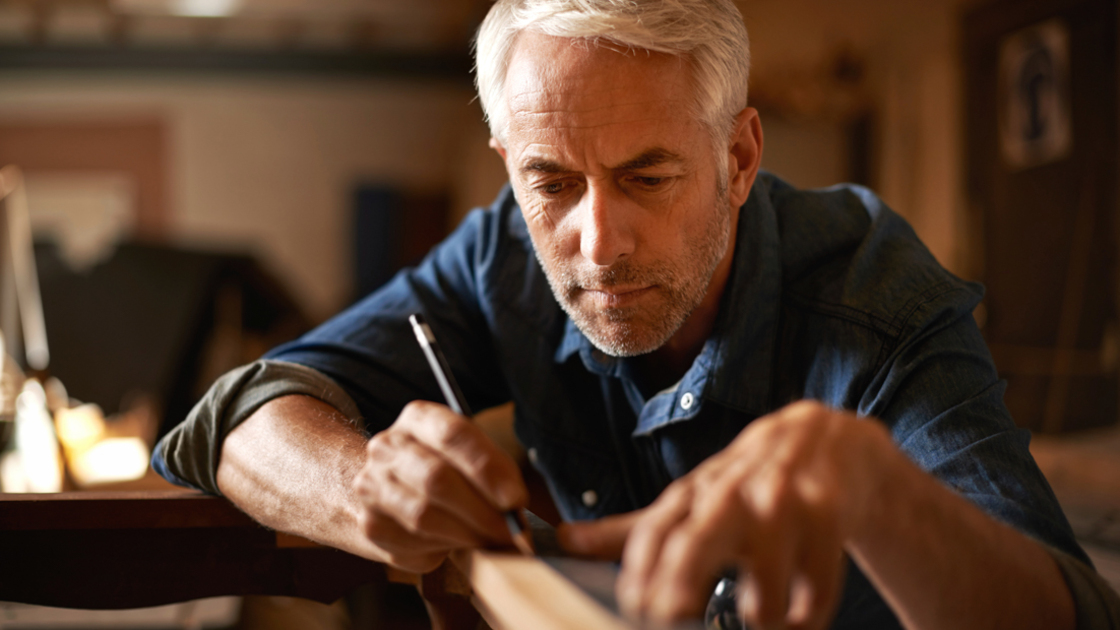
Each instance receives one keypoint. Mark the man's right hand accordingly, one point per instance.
(434, 482)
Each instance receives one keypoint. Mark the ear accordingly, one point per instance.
(497, 146)
(744, 156)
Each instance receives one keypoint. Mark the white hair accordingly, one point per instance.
(710, 34)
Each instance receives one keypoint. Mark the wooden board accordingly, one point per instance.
(524, 592)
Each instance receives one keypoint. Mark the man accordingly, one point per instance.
(651, 302)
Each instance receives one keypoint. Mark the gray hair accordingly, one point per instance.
(709, 33)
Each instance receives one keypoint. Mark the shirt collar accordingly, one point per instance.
(734, 367)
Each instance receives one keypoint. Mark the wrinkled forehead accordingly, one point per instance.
(581, 84)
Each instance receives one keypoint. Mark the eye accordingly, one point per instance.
(649, 183)
(555, 188)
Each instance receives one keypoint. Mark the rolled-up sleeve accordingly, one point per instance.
(189, 454)
(1097, 604)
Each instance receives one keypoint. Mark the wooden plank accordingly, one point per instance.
(524, 592)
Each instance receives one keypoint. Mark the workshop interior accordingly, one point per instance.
(185, 184)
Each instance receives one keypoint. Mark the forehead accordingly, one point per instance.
(564, 90)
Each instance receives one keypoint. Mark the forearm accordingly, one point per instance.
(291, 466)
(940, 562)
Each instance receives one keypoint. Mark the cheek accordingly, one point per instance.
(552, 234)
(537, 218)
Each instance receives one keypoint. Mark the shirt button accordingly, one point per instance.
(533, 456)
(687, 400)
(590, 498)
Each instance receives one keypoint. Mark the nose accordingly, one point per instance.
(606, 233)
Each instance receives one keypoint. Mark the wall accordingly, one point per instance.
(268, 164)
(911, 84)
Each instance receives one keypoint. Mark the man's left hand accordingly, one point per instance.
(778, 504)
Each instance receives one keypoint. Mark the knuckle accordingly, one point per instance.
(487, 466)
(810, 410)
(413, 410)
(453, 434)
(439, 480)
(380, 445)
(773, 502)
(416, 516)
(681, 492)
(685, 543)
(643, 531)
(811, 406)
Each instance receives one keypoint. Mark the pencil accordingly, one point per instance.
(515, 519)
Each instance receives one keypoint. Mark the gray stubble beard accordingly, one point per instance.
(683, 294)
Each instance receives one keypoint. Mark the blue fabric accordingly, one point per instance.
(832, 297)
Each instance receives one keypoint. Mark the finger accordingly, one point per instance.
(603, 539)
(383, 494)
(433, 479)
(766, 598)
(465, 446)
(692, 557)
(815, 590)
(398, 547)
(417, 514)
(381, 490)
(643, 546)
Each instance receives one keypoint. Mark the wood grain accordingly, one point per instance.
(523, 592)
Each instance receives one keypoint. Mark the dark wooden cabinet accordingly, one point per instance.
(1041, 94)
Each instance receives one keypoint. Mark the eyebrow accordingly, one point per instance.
(541, 165)
(653, 157)
(647, 159)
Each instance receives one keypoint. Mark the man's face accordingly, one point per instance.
(619, 185)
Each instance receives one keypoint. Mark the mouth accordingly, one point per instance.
(616, 297)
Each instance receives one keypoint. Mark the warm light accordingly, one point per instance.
(92, 457)
(188, 8)
(35, 465)
(79, 428)
(205, 8)
(111, 459)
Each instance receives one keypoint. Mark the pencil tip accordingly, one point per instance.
(519, 532)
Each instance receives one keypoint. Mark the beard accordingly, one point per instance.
(678, 286)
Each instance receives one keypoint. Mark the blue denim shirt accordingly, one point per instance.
(831, 297)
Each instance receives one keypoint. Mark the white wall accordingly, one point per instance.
(269, 164)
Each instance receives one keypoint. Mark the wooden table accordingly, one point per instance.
(103, 550)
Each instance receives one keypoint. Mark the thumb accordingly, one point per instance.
(602, 539)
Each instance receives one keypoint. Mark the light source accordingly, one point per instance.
(186, 8)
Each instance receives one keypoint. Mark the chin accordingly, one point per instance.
(623, 338)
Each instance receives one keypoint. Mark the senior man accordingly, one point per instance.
(710, 368)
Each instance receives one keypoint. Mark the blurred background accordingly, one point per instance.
(207, 178)
(332, 140)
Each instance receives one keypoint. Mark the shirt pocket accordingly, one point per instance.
(585, 484)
